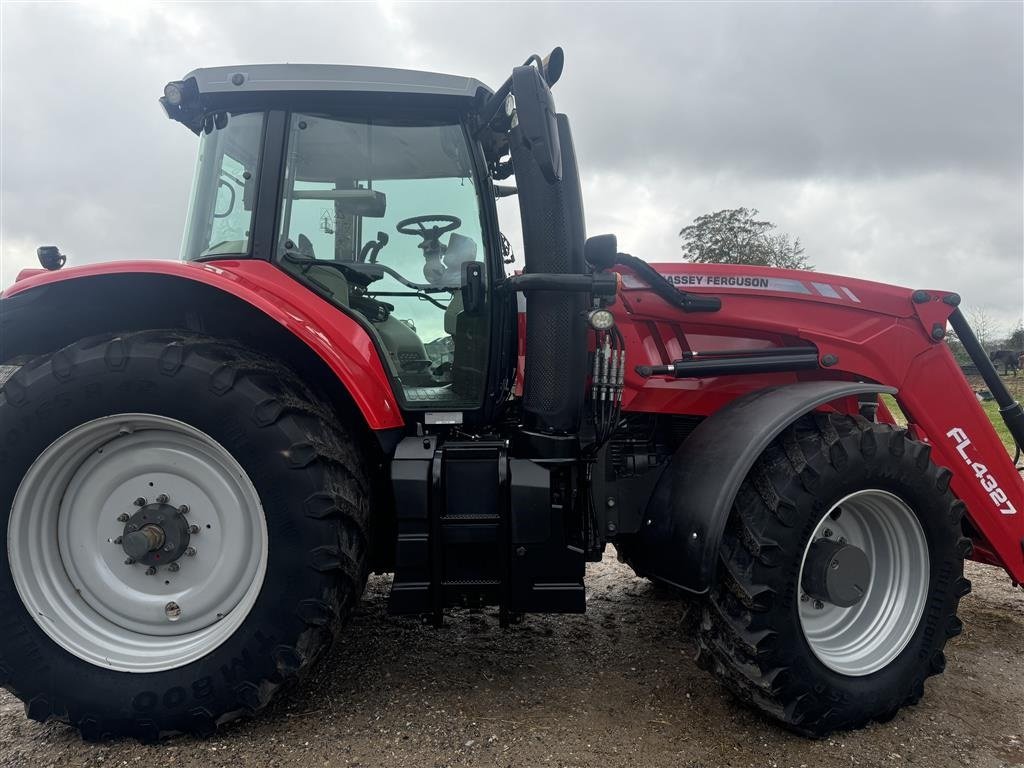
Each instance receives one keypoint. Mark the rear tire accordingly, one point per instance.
(752, 632)
(310, 483)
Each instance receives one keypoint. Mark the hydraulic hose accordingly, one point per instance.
(688, 302)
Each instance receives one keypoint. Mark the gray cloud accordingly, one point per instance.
(888, 136)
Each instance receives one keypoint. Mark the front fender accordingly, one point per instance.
(43, 312)
(688, 510)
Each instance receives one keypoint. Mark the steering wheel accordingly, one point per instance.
(433, 269)
(405, 226)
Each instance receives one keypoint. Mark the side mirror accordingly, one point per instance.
(535, 113)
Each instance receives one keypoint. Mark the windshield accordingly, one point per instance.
(223, 192)
(383, 217)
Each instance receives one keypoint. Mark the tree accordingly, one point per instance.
(984, 328)
(1016, 338)
(736, 236)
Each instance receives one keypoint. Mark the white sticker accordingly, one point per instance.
(442, 417)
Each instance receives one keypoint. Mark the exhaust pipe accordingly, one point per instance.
(556, 329)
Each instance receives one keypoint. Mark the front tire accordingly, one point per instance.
(256, 504)
(820, 667)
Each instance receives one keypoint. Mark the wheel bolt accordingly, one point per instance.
(173, 611)
(804, 598)
(151, 571)
(183, 509)
(191, 551)
(162, 498)
(140, 502)
(818, 605)
(173, 567)
(129, 561)
(117, 540)
(827, 533)
(193, 529)
(122, 518)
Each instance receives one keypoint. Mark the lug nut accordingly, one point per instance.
(183, 509)
(140, 502)
(191, 551)
(129, 561)
(805, 598)
(827, 533)
(172, 611)
(193, 529)
(162, 498)
(818, 605)
(173, 567)
(117, 540)
(151, 571)
(122, 518)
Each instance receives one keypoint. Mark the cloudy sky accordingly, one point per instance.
(888, 137)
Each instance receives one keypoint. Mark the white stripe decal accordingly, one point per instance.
(826, 290)
(848, 292)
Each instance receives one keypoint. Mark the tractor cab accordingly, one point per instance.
(368, 186)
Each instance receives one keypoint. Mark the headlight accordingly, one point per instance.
(601, 319)
(174, 93)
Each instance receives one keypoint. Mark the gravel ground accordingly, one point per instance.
(616, 687)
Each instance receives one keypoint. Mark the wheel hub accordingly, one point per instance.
(836, 573)
(157, 534)
(871, 540)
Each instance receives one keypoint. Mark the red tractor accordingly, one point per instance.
(203, 460)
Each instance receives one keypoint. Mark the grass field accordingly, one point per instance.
(1014, 383)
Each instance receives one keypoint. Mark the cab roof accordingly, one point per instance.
(331, 77)
(215, 87)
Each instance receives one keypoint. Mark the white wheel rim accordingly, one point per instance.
(70, 569)
(866, 637)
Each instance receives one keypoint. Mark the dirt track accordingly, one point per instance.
(616, 687)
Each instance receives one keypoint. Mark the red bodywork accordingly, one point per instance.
(876, 332)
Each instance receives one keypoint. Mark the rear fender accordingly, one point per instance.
(688, 510)
(251, 302)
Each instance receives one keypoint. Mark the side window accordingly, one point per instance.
(232, 212)
(223, 193)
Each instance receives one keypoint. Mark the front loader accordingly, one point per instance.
(202, 461)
